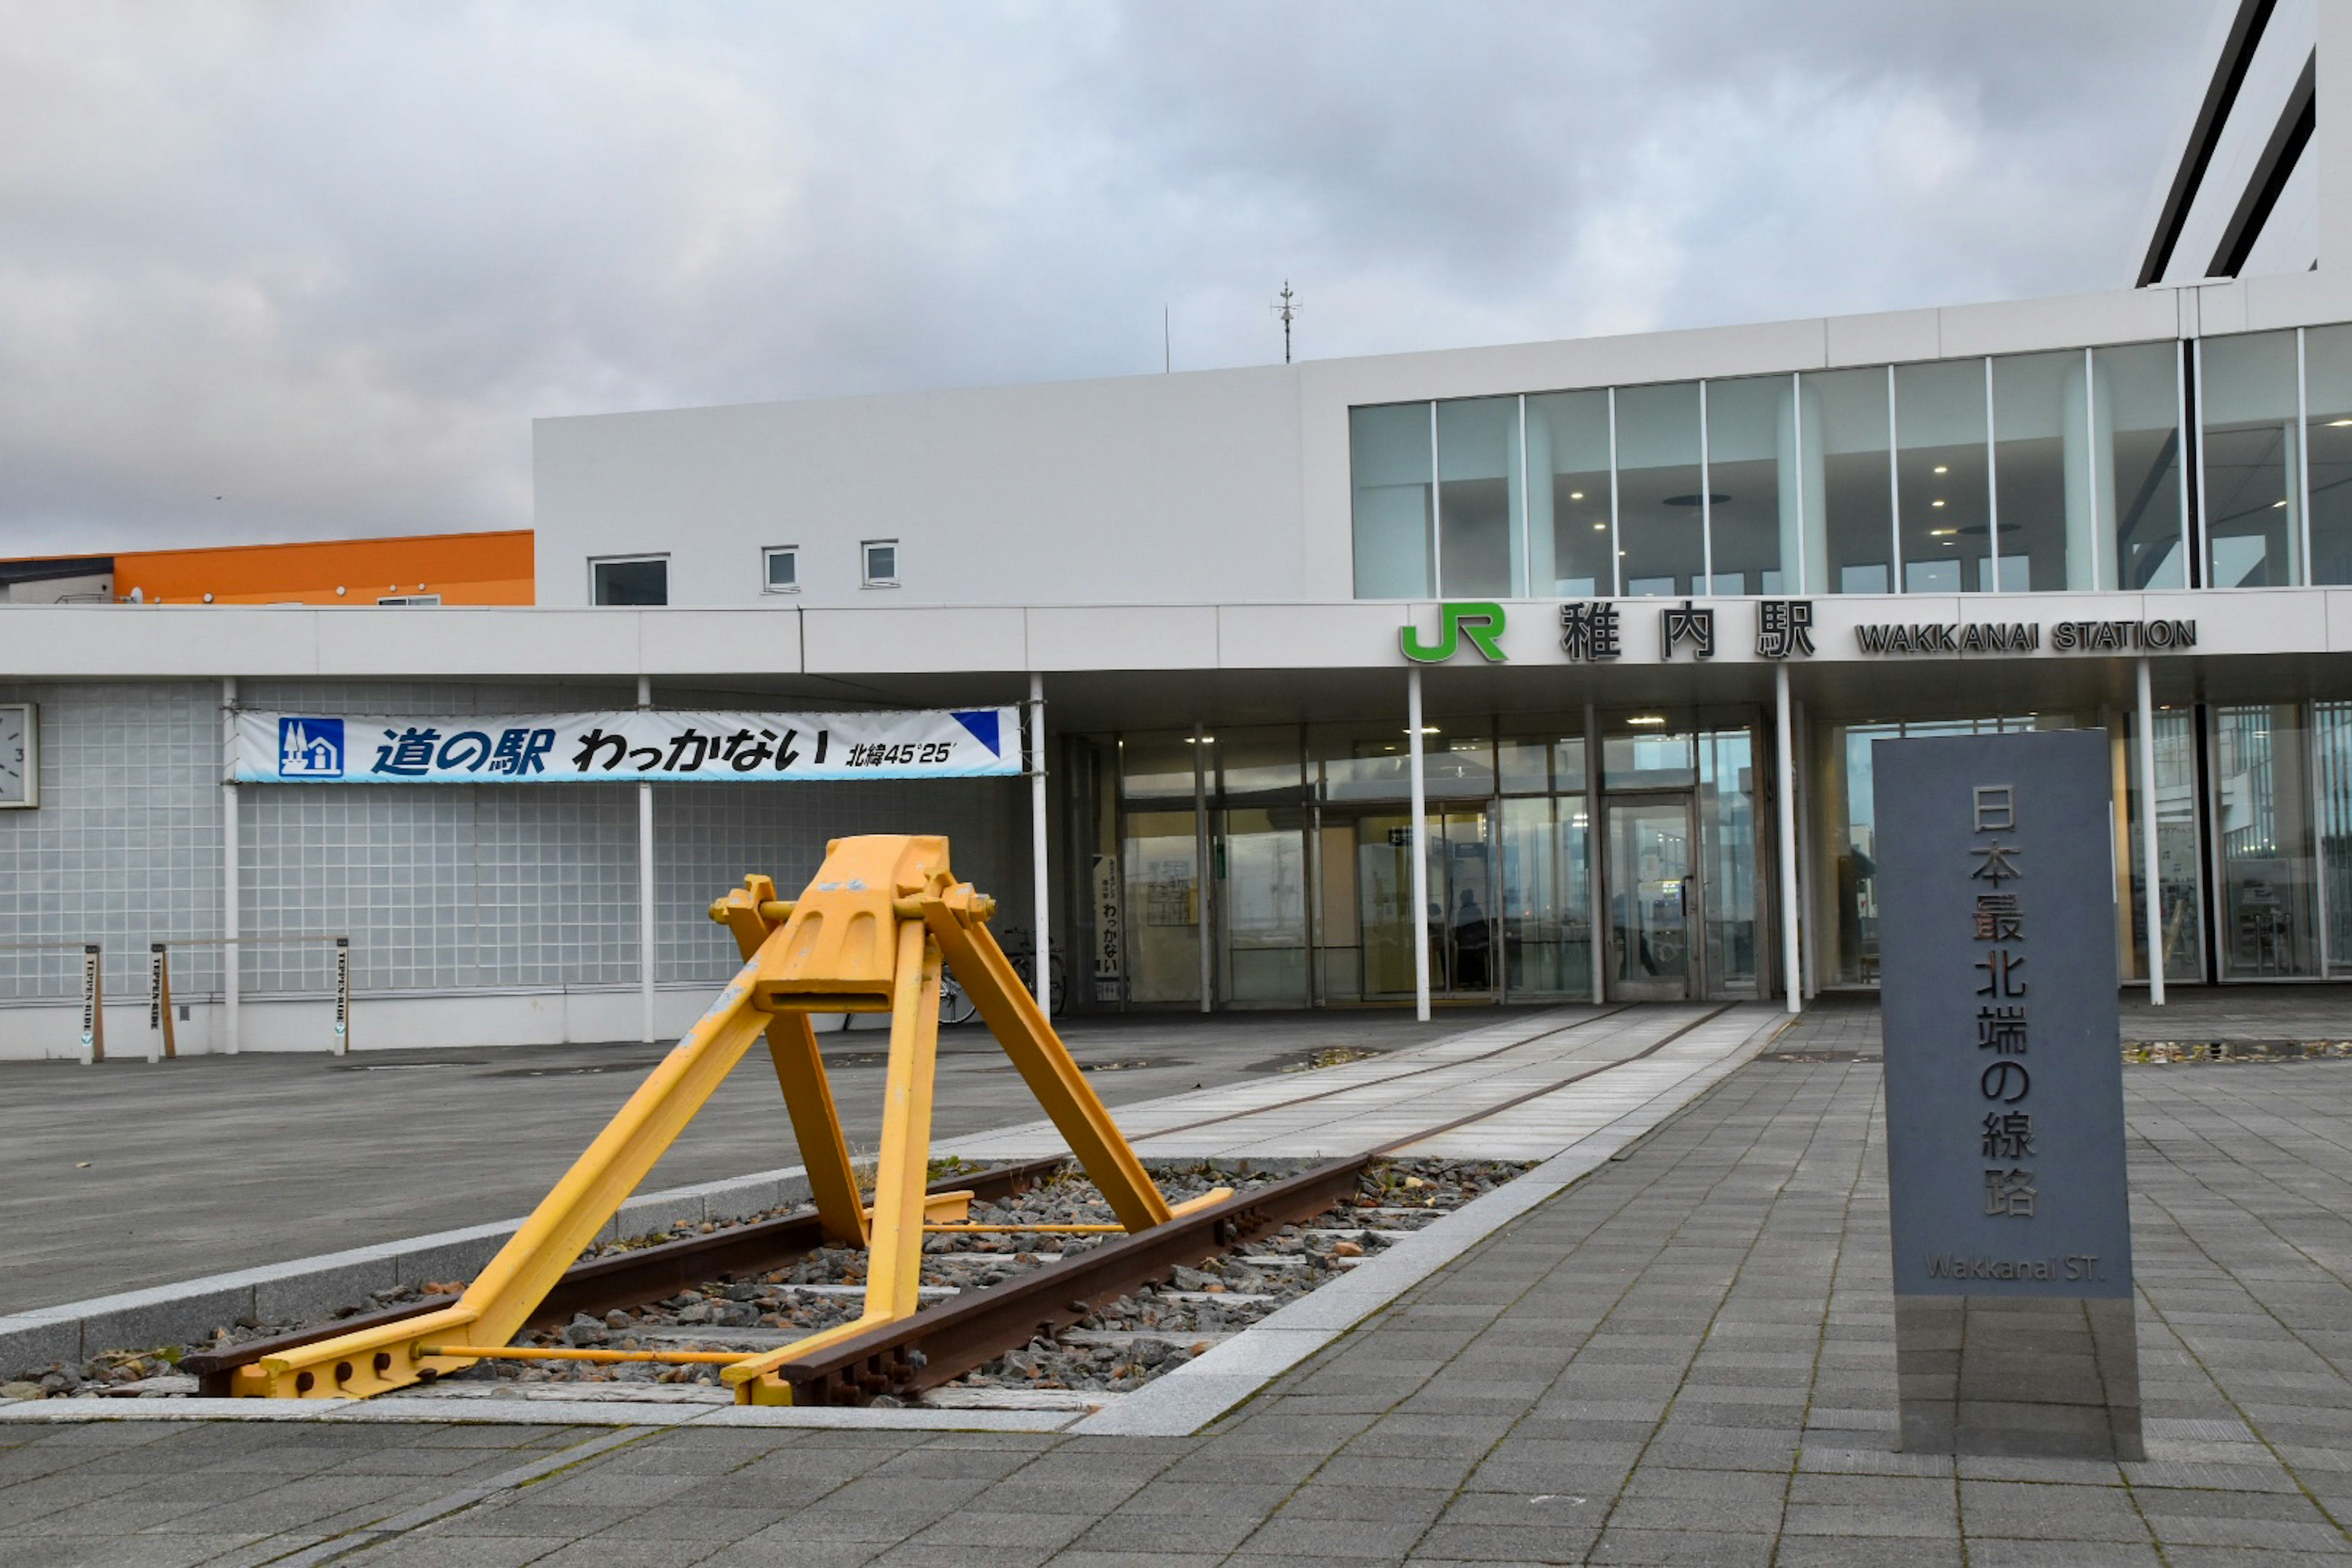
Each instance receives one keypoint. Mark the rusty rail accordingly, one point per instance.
(597, 1285)
(945, 1342)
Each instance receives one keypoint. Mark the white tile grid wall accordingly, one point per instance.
(124, 849)
(439, 888)
(708, 837)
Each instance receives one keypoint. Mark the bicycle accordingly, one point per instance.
(956, 1006)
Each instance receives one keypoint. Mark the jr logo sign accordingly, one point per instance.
(1481, 623)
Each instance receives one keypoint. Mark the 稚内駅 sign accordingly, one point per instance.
(627, 746)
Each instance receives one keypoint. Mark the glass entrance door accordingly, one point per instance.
(1462, 946)
(1653, 899)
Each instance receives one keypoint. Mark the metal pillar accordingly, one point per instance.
(1041, 980)
(1785, 802)
(1204, 885)
(2155, 903)
(646, 941)
(1419, 845)
(229, 894)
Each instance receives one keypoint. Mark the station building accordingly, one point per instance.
(1547, 671)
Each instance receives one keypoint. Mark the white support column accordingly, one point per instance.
(645, 941)
(1204, 885)
(1042, 980)
(230, 897)
(1785, 801)
(1596, 857)
(1419, 845)
(2154, 902)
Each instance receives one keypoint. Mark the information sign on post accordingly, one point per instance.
(2011, 1236)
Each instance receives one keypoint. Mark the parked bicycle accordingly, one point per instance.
(956, 1006)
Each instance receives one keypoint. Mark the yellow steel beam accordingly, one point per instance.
(499, 1301)
(799, 1073)
(895, 1250)
(1044, 1064)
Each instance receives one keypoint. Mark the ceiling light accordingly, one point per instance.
(1940, 532)
(1935, 503)
(1942, 470)
(2338, 424)
(1647, 719)
(1579, 495)
(1600, 528)
(2276, 504)
(1426, 730)
(1203, 741)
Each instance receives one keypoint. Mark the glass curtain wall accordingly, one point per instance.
(2143, 495)
(1846, 446)
(2332, 747)
(1660, 532)
(1728, 846)
(1259, 856)
(1752, 485)
(2044, 472)
(2327, 449)
(2268, 892)
(1547, 875)
(2045, 483)
(1390, 454)
(1481, 513)
(1941, 479)
(1569, 534)
(1160, 859)
(1845, 833)
(2180, 883)
(2251, 443)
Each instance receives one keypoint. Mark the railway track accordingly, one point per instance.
(971, 1326)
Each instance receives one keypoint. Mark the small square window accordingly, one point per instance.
(634, 580)
(881, 563)
(781, 566)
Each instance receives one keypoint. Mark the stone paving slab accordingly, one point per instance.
(1563, 1391)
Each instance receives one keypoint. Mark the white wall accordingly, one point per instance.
(2287, 41)
(1053, 494)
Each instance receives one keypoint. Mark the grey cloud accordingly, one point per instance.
(329, 263)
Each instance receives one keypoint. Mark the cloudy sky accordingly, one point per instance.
(283, 269)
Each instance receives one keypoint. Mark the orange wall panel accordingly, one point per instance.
(463, 568)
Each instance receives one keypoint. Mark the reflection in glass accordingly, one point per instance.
(1389, 457)
(1256, 761)
(2044, 475)
(1567, 508)
(2332, 740)
(2141, 496)
(2180, 880)
(1727, 804)
(1547, 907)
(1660, 538)
(1263, 875)
(2266, 868)
(2328, 373)
(1157, 766)
(1939, 418)
(1373, 762)
(1751, 433)
(1845, 446)
(1160, 854)
(1652, 898)
(1479, 507)
(2251, 452)
(1648, 757)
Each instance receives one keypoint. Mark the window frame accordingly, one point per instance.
(641, 558)
(866, 547)
(767, 571)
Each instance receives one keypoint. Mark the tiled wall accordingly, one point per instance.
(439, 888)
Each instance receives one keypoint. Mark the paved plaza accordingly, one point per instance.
(1686, 1358)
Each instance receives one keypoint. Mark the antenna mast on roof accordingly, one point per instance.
(1287, 307)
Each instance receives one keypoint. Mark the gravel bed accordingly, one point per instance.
(1116, 1350)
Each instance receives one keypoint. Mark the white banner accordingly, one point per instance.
(626, 747)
